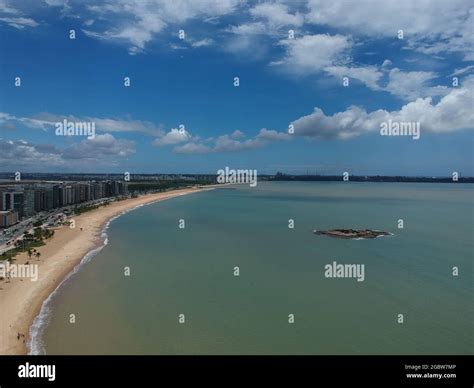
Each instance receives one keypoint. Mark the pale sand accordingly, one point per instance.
(21, 299)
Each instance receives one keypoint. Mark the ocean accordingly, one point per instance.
(182, 295)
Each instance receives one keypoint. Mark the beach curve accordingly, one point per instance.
(25, 304)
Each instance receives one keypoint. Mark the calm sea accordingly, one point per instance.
(190, 271)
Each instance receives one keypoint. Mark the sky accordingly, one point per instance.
(291, 86)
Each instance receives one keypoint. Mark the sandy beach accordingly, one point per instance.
(21, 299)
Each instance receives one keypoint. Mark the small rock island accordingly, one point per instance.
(351, 233)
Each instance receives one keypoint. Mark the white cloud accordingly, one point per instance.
(47, 121)
(462, 71)
(104, 149)
(247, 39)
(21, 153)
(407, 85)
(225, 143)
(139, 20)
(128, 125)
(254, 28)
(443, 26)
(192, 148)
(237, 134)
(6, 7)
(14, 17)
(19, 22)
(453, 112)
(202, 42)
(174, 136)
(369, 75)
(413, 84)
(233, 143)
(57, 3)
(313, 53)
(100, 147)
(272, 135)
(276, 15)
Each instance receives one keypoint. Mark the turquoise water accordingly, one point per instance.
(191, 271)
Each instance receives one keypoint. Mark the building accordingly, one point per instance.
(49, 198)
(57, 196)
(8, 218)
(13, 200)
(69, 195)
(28, 199)
(28, 203)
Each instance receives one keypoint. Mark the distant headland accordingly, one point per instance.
(368, 178)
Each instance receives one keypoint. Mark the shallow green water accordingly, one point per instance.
(191, 271)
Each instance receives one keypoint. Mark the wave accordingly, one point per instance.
(364, 238)
(35, 343)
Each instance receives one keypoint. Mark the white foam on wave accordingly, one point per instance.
(35, 343)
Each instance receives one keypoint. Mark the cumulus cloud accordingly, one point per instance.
(237, 134)
(192, 148)
(313, 53)
(103, 149)
(100, 147)
(277, 15)
(174, 136)
(22, 153)
(407, 85)
(412, 84)
(444, 27)
(453, 112)
(233, 143)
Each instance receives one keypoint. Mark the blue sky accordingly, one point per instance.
(284, 80)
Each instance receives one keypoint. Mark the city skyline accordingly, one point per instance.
(184, 113)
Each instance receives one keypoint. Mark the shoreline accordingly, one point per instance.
(22, 300)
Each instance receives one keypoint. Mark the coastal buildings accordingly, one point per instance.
(8, 218)
(27, 199)
(13, 200)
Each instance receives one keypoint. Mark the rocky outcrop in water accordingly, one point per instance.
(351, 233)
